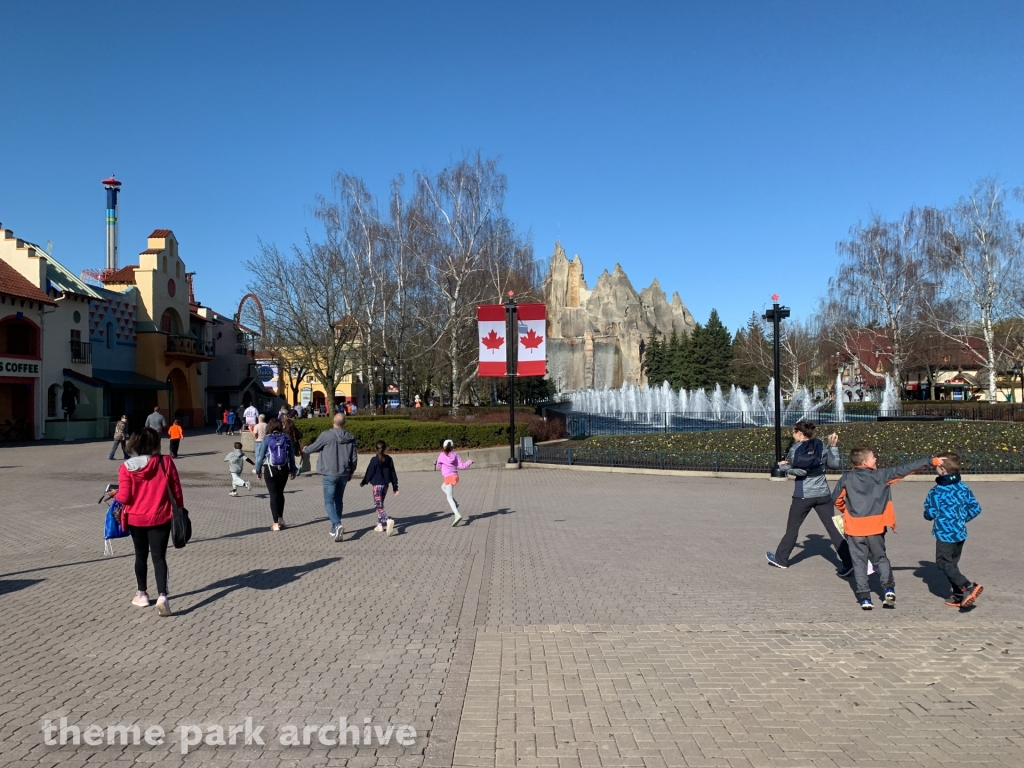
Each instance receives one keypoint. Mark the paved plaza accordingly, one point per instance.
(578, 619)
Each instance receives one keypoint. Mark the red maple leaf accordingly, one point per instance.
(493, 340)
(531, 340)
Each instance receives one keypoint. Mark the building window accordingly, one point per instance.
(165, 265)
(51, 400)
(18, 337)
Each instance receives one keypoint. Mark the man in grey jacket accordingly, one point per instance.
(156, 420)
(338, 459)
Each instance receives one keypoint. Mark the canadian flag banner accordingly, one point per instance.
(493, 352)
(532, 341)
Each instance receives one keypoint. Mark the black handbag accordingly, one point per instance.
(181, 526)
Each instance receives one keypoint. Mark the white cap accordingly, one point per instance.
(446, 443)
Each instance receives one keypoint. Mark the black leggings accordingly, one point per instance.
(798, 511)
(276, 480)
(151, 541)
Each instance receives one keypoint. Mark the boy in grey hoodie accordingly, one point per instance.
(236, 463)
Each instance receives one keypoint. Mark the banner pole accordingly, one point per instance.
(512, 346)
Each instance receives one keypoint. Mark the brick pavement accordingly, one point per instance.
(579, 619)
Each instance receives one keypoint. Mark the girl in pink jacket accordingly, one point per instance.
(450, 463)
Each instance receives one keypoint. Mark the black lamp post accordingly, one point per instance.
(775, 316)
(511, 352)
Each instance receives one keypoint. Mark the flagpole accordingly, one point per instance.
(511, 347)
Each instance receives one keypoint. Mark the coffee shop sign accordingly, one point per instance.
(13, 367)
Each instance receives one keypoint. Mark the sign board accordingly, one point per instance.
(531, 321)
(958, 394)
(266, 370)
(305, 397)
(13, 366)
(492, 331)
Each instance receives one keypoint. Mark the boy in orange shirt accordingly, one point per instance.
(864, 498)
(176, 433)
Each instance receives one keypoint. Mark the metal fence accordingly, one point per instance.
(730, 461)
(580, 424)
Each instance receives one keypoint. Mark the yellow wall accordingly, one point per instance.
(155, 271)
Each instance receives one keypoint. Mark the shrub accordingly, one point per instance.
(893, 441)
(408, 435)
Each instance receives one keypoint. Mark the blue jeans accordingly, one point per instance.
(334, 491)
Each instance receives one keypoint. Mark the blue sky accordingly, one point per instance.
(722, 147)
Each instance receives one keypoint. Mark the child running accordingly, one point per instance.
(236, 463)
(176, 433)
(865, 500)
(450, 463)
(379, 473)
(951, 504)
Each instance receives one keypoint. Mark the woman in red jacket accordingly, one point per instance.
(143, 481)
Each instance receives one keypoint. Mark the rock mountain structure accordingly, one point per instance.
(595, 336)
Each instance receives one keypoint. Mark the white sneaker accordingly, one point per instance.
(337, 533)
(390, 527)
(163, 607)
(141, 600)
(248, 485)
(232, 493)
(455, 522)
(379, 528)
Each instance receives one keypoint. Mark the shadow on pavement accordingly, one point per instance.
(66, 565)
(13, 585)
(254, 579)
(816, 545)
(930, 574)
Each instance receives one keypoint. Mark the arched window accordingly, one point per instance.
(19, 337)
(52, 397)
(169, 322)
(165, 265)
(110, 335)
(177, 269)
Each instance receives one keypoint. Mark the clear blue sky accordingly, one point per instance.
(723, 147)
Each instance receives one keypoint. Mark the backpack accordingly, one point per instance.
(277, 449)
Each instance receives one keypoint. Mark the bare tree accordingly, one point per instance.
(977, 248)
(310, 307)
(473, 250)
(883, 282)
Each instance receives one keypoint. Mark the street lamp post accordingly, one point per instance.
(511, 350)
(775, 316)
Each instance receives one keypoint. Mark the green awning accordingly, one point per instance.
(127, 380)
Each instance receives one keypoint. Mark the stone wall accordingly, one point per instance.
(594, 335)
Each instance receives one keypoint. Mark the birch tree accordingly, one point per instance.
(977, 248)
(883, 282)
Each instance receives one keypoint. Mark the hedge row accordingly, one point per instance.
(407, 435)
(891, 440)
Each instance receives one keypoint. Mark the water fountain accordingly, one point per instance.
(839, 410)
(635, 409)
(890, 404)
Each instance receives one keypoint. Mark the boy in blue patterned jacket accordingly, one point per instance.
(951, 504)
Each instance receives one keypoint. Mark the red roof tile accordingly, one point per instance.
(160, 233)
(122, 276)
(13, 283)
(153, 250)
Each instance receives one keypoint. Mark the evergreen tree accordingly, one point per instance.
(654, 360)
(717, 352)
(681, 356)
(752, 355)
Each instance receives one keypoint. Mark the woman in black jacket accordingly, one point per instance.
(379, 474)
